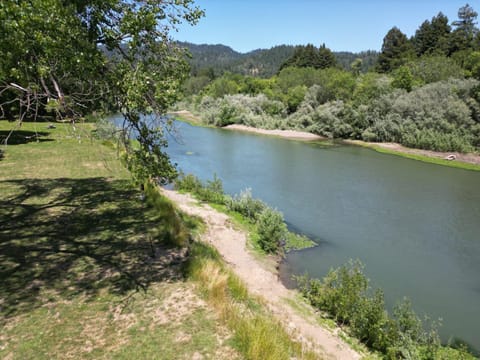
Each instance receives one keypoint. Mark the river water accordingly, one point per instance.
(416, 226)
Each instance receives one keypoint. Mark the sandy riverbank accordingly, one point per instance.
(232, 245)
(287, 134)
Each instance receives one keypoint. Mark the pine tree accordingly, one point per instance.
(396, 51)
(465, 29)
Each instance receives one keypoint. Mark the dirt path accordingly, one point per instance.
(231, 243)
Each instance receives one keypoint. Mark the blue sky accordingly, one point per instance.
(343, 25)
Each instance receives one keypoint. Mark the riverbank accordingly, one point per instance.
(469, 161)
(260, 280)
(466, 161)
(286, 134)
(187, 116)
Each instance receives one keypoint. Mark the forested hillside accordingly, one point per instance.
(422, 92)
(218, 59)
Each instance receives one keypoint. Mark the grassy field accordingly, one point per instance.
(88, 269)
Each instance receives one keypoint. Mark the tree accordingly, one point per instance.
(326, 58)
(309, 56)
(441, 33)
(433, 68)
(396, 51)
(403, 78)
(356, 66)
(74, 57)
(432, 37)
(465, 29)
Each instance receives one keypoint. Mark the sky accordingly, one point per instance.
(343, 25)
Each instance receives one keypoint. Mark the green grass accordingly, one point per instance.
(195, 121)
(297, 242)
(431, 160)
(88, 269)
(418, 157)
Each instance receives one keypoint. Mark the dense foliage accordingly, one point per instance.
(217, 60)
(345, 295)
(425, 93)
(65, 59)
(310, 56)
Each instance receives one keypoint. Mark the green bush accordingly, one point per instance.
(189, 183)
(432, 68)
(345, 294)
(246, 204)
(105, 130)
(212, 191)
(271, 230)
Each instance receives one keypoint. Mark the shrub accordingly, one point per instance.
(271, 229)
(246, 204)
(212, 191)
(433, 68)
(437, 116)
(345, 294)
(188, 183)
(105, 130)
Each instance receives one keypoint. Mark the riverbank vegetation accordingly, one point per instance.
(266, 226)
(423, 92)
(345, 295)
(415, 154)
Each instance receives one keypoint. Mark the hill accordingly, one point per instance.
(260, 62)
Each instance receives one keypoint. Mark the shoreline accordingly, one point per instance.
(261, 280)
(286, 134)
(470, 161)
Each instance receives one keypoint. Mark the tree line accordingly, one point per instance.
(217, 60)
(422, 92)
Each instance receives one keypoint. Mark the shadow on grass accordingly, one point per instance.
(65, 237)
(23, 136)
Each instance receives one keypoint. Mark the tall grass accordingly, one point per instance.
(257, 334)
(175, 232)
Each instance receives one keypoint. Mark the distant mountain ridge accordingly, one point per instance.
(259, 62)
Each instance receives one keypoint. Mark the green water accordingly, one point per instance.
(415, 226)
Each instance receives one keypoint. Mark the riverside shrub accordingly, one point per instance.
(246, 204)
(346, 296)
(211, 191)
(272, 230)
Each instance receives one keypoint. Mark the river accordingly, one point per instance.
(416, 226)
